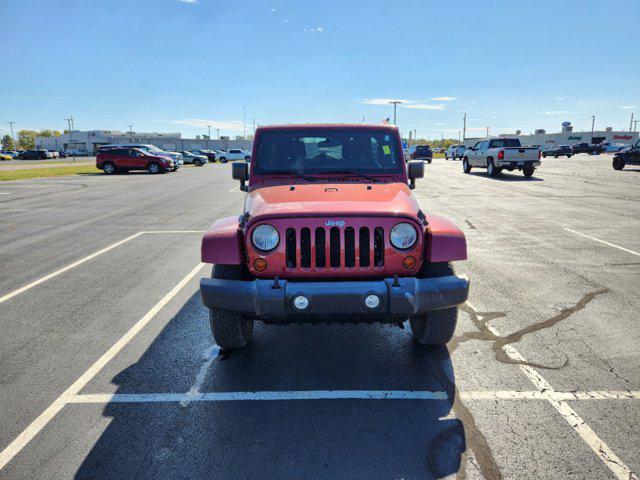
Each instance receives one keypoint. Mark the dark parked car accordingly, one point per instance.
(34, 155)
(589, 148)
(421, 152)
(559, 151)
(210, 154)
(627, 156)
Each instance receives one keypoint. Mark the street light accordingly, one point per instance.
(209, 137)
(395, 107)
(13, 140)
(593, 122)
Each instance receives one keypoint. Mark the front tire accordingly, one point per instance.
(466, 168)
(154, 168)
(198, 163)
(436, 327)
(247, 158)
(223, 160)
(230, 329)
(528, 171)
(618, 163)
(109, 168)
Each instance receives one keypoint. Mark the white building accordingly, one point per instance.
(568, 137)
(90, 141)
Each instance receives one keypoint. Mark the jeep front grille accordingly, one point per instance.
(347, 248)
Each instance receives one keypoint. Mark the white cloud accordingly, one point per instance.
(627, 107)
(234, 125)
(273, 9)
(443, 99)
(424, 106)
(555, 112)
(319, 29)
(192, 2)
(383, 101)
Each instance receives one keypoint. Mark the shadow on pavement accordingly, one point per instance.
(282, 438)
(508, 177)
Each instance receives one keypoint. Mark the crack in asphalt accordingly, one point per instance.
(468, 432)
(481, 321)
(471, 225)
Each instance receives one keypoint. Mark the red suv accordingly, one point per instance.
(114, 160)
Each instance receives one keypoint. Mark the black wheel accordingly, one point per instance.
(247, 158)
(492, 170)
(223, 160)
(466, 168)
(555, 156)
(230, 329)
(109, 168)
(544, 155)
(528, 171)
(436, 327)
(618, 163)
(198, 162)
(568, 156)
(154, 168)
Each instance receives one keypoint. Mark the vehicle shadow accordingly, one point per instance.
(318, 438)
(508, 177)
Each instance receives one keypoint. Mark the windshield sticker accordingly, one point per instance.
(386, 149)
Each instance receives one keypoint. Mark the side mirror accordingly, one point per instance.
(415, 170)
(240, 171)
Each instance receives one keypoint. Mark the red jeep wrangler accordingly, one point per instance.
(331, 233)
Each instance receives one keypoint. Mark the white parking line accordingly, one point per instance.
(45, 417)
(5, 193)
(601, 449)
(195, 396)
(20, 290)
(234, 188)
(194, 391)
(602, 241)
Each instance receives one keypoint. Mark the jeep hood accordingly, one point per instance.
(330, 200)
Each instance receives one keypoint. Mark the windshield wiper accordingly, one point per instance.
(358, 174)
(291, 172)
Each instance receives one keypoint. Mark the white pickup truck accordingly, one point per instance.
(497, 154)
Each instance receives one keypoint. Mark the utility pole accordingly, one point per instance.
(244, 122)
(631, 122)
(209, 137)
(487, 132)
(459, 135)
(593, 123)
(362, 118)
(218, 131)
(254, 127)
(635, 125)
(395, 107)
(464, 127)
(13, 140)
(415, 133)
(130, 132)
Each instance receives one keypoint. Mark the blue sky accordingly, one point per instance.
(172, 65)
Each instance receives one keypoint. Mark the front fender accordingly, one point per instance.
(222, 243)
(444, 241)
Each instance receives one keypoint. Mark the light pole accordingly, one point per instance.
(487, 132)
(218, 132)
(70, 122)
(209, 137)
(13, 140)
(130, 132)
(635, 125)
(395, 107)
(593, 122)
(464, 128)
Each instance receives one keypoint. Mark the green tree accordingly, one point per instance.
(7, 142)
(49, 133)
(27, 139)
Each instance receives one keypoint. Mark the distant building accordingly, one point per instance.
(90, 141)
(569, 137)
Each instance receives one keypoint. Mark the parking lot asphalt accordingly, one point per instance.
(108, 368)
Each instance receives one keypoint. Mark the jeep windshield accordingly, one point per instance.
(318, 151)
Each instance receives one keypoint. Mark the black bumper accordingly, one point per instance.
(398, 299)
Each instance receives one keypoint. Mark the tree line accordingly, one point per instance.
(27, 139)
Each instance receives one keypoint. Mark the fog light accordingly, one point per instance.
(409, 262)
(372, 302)
(300, 302)
(260, 264)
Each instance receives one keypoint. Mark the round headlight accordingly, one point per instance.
(403, 236)
(265, 237)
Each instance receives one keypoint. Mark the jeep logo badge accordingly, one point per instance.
(335, 223)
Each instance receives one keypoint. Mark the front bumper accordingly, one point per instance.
(273, 301)
(518, 163)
